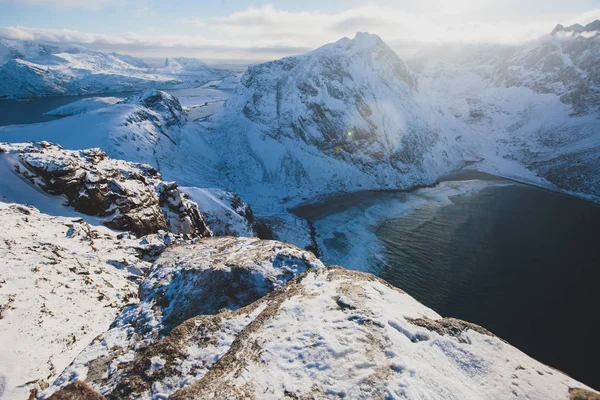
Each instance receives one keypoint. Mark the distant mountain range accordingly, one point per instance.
(30, 69)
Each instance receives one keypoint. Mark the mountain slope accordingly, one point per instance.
(328, 333)
(342, 117)
(536, 104)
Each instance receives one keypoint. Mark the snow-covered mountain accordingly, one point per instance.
(343, 117)
(227, 317)
(536, 104)
(30, 69)
(351, 115)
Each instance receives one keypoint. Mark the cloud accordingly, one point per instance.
(268, 32)
(391, 23)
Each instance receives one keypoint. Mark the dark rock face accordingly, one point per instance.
(130, 196)
(577, 28)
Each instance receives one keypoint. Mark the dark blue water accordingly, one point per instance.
(31, 111)
(522, 262)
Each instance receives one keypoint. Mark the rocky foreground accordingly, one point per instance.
(168, 311)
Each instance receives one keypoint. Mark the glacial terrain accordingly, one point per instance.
(151, 251)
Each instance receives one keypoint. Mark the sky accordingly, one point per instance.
(250, 31)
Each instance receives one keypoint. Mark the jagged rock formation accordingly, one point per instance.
(128, 196)
(213, 276)
(227, 214)
(592, 28)
(157, 108)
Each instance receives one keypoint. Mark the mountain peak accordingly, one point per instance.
(577, 28)
(365, 40)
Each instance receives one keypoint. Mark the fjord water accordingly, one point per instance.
(520, 261)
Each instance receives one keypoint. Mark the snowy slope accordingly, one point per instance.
(536, 104)
(29, 69)
(141, 128)
(213, 276)
(62, 282)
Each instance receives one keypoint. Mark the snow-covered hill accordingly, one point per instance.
(62, 282)
(29, 69)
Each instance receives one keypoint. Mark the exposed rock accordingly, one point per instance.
(450, 326)
(158, 107)
(128, 196)
(227, 214)
(213, 276)
(583, 394)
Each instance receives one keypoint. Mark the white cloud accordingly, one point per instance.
(268, 32)
(392, 23)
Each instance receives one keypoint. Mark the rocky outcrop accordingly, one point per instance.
(214, 277)
(127, 196)
(77, 391)
(227, 214)
(158, 108)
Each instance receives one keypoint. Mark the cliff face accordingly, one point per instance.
(128, 196)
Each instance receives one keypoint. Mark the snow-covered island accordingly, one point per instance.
(150, 256)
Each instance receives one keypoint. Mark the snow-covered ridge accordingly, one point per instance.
(591, 28)
(83, 106)
(213, 276)
(29, 69)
